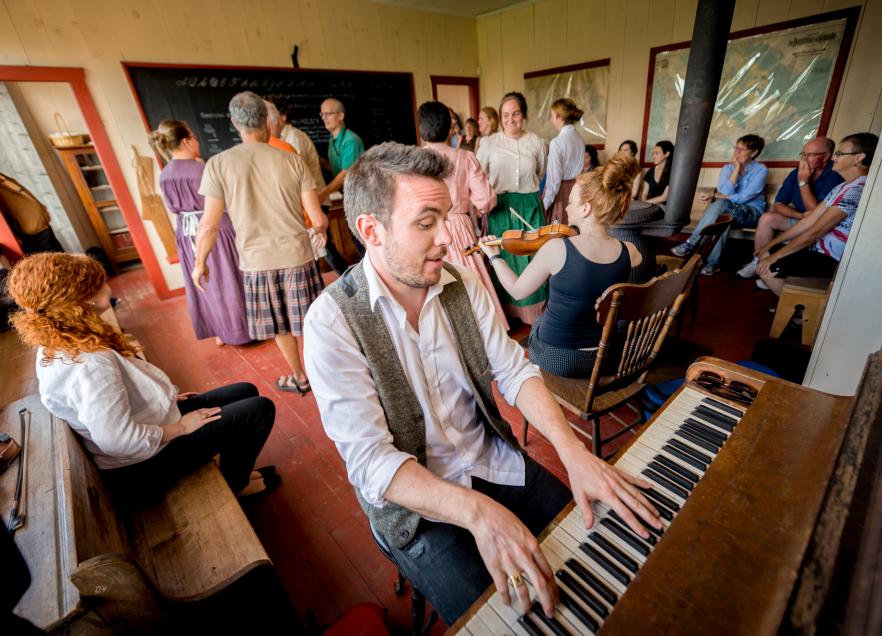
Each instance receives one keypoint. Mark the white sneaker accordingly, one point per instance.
(749, 270)
(760, 284)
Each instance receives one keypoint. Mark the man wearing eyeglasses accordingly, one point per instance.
(815, 244)
(801, 191)
(740, 193)
(344, 146)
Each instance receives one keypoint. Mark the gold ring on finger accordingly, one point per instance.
(516, 580)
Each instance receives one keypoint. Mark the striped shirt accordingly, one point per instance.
(846, 197)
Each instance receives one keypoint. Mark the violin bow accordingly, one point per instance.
(522, 219)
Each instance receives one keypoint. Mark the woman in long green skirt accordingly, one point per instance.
(514, 160)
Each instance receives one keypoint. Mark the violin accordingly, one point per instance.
(527, 242)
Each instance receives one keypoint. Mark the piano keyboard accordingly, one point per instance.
(594, 567)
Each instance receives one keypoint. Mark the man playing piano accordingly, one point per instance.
(401, 353)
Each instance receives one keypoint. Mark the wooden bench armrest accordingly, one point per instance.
(198, 540)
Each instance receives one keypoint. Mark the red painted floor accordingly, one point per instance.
(312, 526)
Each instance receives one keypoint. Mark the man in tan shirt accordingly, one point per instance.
(265, 191)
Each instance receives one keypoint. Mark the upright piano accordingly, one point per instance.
(771, 502)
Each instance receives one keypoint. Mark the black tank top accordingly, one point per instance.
(570, 319)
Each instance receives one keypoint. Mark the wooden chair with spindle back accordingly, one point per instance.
(707, 241)
(636, 319)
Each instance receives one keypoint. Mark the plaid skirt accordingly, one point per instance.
(276, 300)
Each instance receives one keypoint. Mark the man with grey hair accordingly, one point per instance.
(402, 351)
(265, 192)
(344, 146)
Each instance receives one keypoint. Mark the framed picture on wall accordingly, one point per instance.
(779, 81)
(586, 84)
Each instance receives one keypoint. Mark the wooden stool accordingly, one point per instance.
(812, 294)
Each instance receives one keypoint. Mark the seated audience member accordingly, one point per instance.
(469, 188)
(800, 193)
(402, 351)
(815, 244)
(630, 148)
(564, 340)
(740, 193)
(591, 159)
(656, 182)
(142, 432)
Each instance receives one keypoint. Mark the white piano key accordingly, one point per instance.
(477, 627)
(492, 620)
(507, 614)
(561, 614)
(571, 544)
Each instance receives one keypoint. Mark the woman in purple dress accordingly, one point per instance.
(220, 311)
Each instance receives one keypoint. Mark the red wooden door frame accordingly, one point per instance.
(76, 78)
(471, 82)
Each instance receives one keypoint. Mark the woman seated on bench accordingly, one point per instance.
(142, 433)
(578, 270)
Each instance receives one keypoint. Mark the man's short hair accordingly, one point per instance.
(272, 112)
(434, 121)
(865, 143)
(829, 145)
(369, 187)
(248, 111)
(753, 142)
(339, 105)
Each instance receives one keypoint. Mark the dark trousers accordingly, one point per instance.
(238, 436)
(443, 561)
(43, 241)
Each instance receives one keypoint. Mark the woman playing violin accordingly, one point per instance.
(578, 270)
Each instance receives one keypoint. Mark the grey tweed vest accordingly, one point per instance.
(404, 416)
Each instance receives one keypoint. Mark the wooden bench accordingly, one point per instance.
(97, 569)
(809, 293)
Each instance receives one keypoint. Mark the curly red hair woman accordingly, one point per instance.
(143, 434)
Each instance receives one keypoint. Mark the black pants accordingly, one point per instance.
(238, 436)
(43, 241)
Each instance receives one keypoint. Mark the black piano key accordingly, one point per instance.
(579, 590)
(677, 468)
(588, 621)
(698, 441)
(716, 417)
(665, 483)
(712, 424)
(605, 592)
(611, 568)
(681, 450)
(614, 552)
(701, 433)
(653, 532)
(664, 513)
(714, 434)
(550, 623)
(667, 502)
(724, 407)
(626, 535)
(671, 476)
(529, 626)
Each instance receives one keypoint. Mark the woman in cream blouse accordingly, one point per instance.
(514, 160)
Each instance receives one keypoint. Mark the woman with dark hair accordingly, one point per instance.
(468, 187)
(629, 146)
(471, 137)
(566, 156)
(656, 180)
(591, 160)
(141, 431)
(456, 133)
(578, 270)
(514, 160)
(220, 311)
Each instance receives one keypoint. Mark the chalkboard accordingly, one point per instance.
(379, 106)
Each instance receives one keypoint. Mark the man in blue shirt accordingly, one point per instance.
(800, 193)
(740, 193)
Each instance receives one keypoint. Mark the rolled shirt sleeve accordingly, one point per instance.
(749, 187)
(354, 420)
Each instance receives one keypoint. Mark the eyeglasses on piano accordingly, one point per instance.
(732, 390)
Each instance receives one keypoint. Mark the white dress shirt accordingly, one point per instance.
(457, 447)
(118, 405)
(566, 155)
(513, 165)
(306, 149)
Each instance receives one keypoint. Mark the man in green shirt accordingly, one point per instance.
(344, 146)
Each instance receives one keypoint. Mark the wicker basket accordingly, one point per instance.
(65, 139)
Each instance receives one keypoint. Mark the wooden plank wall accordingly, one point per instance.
(553, 33)
(346, 34)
